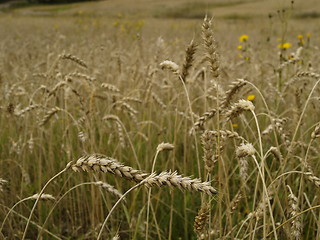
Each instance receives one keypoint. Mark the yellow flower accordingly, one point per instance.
(251, 97)
(235, 125)
(240, 47)
(308, 35)
(243, 38)
(300, 36)
(285, 45)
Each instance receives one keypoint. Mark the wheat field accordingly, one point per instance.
(169, 124)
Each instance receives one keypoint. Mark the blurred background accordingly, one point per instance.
(230, 9)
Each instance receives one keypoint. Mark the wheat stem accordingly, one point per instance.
(41, 192)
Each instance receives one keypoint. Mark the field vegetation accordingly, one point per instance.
(156, 121)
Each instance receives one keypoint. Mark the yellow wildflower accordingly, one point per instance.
(235, 125)
(308, 35)
(300, 36)
(243, 38)
(240, 47)
(285, 45)
(251, 97)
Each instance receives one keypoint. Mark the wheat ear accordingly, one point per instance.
(190, 51)
(49, 115)
(238, 108)
(208, 142)
(73, 59)
(294, 209)
(204, 118)
(210, 46)
(98, 162)
(201, 219)
(234, 87)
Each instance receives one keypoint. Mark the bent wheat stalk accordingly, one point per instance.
(161, 147)
(33, 197)
(171, 179)
(32, 222)
(39, 196)
(108, 187)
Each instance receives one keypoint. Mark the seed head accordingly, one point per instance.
(245, 150)
(170, 65)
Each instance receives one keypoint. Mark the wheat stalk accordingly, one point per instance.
(237, 108)
(74, 59)
(204, 118)
(172, 179)
(110, 87)
(82, 75)
(109, 188)
(33, 197)
(309, 74)
(208, 142)
(210, 46)
(190, 51)
(201, 220)
(2, 183)
(98, 162)
(172, 66)
(49, 115)
(296, 226)
(27, 109)
(234, 87)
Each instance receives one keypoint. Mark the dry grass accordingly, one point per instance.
(80, 84)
